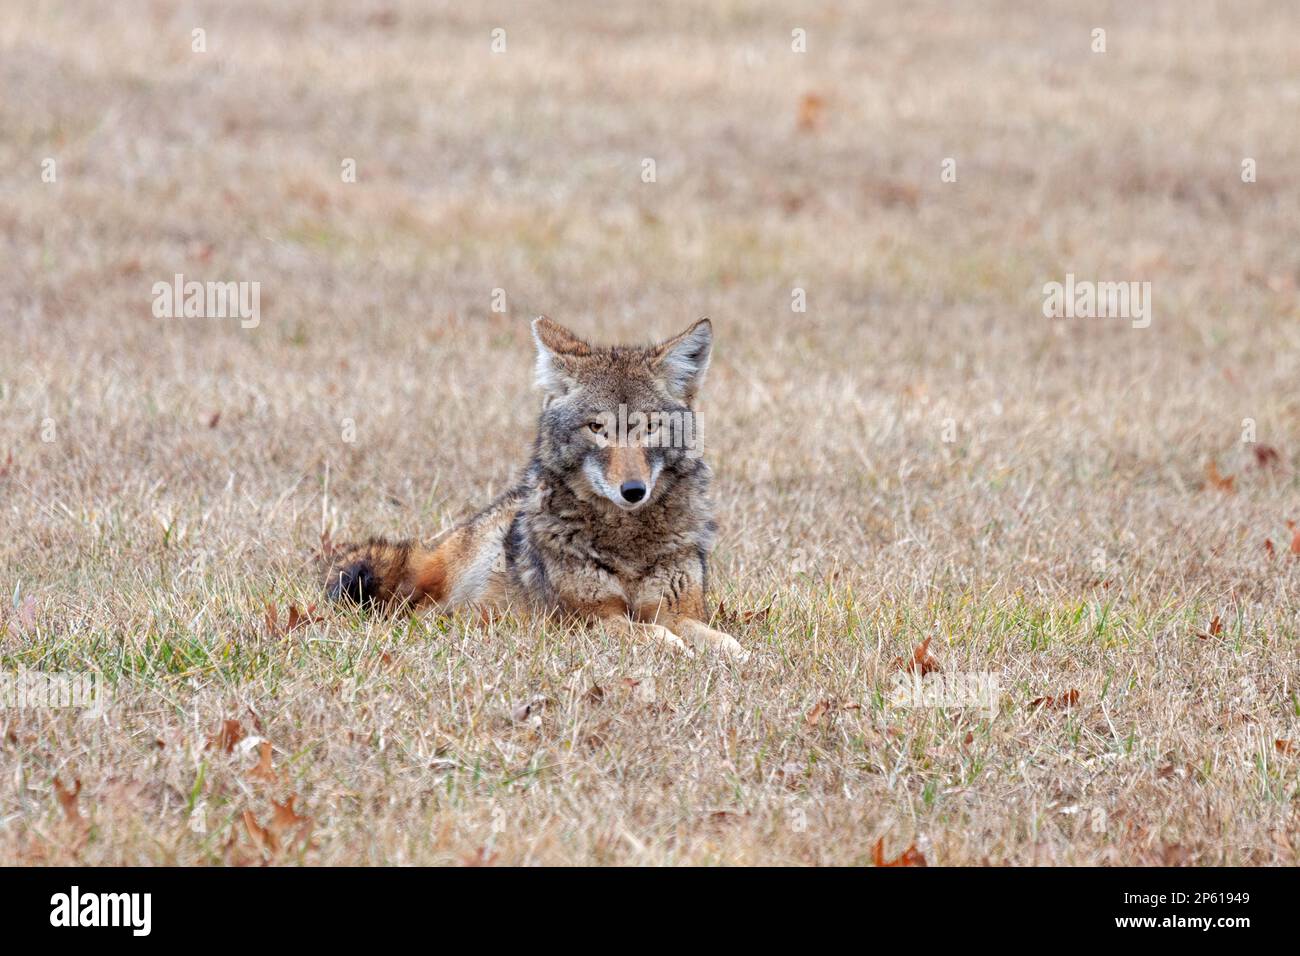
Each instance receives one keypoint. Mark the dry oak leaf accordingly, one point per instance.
(263, 770)
(228, 734)
(1284, 746)
(480, 857)
(296, 619)
(909, 857)
(1060, 702)
(811, 108)
(68, 799)
(823, 707)
(1174, 854)
(727, 816)
(283, 820)
(1295, 537)
(728, 619)
(263, 837)
(284, 817)
(818, 711)
(921, 662)
(1216, 628)
(1225, 483)
(1266, 455)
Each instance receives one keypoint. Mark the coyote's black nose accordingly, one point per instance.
(632, 490)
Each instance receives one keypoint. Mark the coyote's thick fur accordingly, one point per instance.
(608, 523)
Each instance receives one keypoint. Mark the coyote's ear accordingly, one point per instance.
(682, 361)
(557, 348)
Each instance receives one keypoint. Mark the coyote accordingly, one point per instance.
(608, 524)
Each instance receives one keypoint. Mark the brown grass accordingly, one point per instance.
(1065, 541)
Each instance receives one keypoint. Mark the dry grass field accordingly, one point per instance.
(919, 455)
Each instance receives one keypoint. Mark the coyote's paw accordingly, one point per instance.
(654, 633)
(706, 638)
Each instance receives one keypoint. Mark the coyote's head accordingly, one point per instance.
(617, 423)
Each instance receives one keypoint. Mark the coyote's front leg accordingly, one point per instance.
(679, 606)
(701, 635)
(623, 625)
(612, 614)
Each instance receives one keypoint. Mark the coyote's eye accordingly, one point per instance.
(652, 424)
(597, 428)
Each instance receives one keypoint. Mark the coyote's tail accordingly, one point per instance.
(386, 573)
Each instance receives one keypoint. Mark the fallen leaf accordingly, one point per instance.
(1060, 702)
(1266, 455)
(811, 108)
(729, 619)
(1215, 629)
(893, 193)
(228, 734)
(283, 817)
(818, 711)
(261, 836)
(793, 202)
(727, 816)
(1268, 547)
(1225, 483)
(922, 661)
(480, 857)
(909, 857)
(297, 620)
(68, 799)
(823, 707)
(1295, 537)
(216, 417)
(1284, 746)
(263, 770)
(1175, 855)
